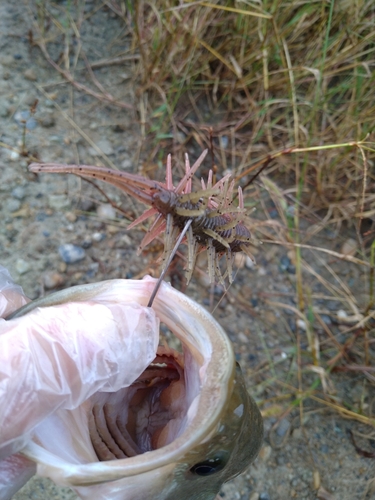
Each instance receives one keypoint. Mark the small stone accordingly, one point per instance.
(270, 317)
(105, 211)
(49, 103)
(341, 314)
(13, 205)
(349, 247)
(262, 271)
(86, 205)
(254, 496)
(71, 216)
(22, 266)
(58, 201)
(52, 279)
(29, 74)
(283, 427)
(264, 496)
(21, 117)
(7, 60)
(249, 262)
(126, 240)
(265, 453)
(297, 433)
(326, 319)
(86, 243)
(98, 237)
(62, 267)
(243, 338)
(31, 124)
(105, 146)
(47, 119)
(18, 192)
(284, 263)
(302, 324)
(93, 270)
(30, 99)
(126, 164)
(4, 108)
(14, 155)
(71, 253)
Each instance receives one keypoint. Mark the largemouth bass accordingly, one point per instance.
(181, 430)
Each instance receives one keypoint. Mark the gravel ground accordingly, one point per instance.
(41, 215)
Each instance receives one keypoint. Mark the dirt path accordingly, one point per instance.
(40, 215)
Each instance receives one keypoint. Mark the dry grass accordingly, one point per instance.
(285, 82)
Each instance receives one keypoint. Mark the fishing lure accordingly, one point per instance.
(207, 216)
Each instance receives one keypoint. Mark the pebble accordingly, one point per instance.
(30, 99)
(254, 496)
(31, 124)
(104, 145)
(249, 262)
(243, 338)
(297, 433)
(126, 164)
(87, 242)
(30, 74)
(58, 201)
(262, 271)
(22, 266)
(283, 427)
(98, 237)
(270, 317)
(93, 270)
(71, 253)
(264, 496)
(18, 192)
(4, 108)
(106, 211)
(70, 216)
(126, 240)
(302, 324)
(7, 60)
(284, 263)
(326, 319)
(22, 116)
(53, 279)
(265, 453)
(13, 205)
(349, 247)
(47, 119)
(341, 314)
(13, 155)
(86, 205)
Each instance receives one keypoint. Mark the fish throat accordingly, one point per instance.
(143, 417)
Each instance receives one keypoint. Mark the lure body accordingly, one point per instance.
(216, 226)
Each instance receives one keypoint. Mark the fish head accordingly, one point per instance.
(184, 427)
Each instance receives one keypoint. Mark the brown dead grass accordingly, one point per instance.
(291, 84)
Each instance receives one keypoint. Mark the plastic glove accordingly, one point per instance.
(57, 357)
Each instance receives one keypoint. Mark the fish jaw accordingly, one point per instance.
(165, 472)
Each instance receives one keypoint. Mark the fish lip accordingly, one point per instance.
(198, 330)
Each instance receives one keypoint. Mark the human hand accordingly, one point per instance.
(57, 357)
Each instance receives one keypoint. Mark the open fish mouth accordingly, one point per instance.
(143, 417)
(185, 421)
